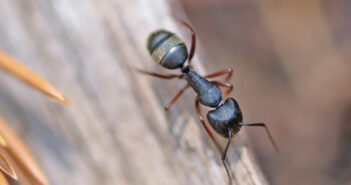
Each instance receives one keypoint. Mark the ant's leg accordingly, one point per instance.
(175, 98)
(228, 71)
(193, 40)
(198, 111)
(167, 77)
(224, 84)
(224, 156)
(268, 133)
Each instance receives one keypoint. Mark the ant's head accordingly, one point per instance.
(167, 49)
(226, 117)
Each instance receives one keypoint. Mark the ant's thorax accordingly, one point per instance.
(208, 93)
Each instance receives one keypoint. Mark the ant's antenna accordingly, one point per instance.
(267, 131)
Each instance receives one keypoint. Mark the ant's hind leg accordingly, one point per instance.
(228, 71)
(166, 77)
(224, 84)
(193, 40)
(198, 111)
(225, 154)
(175, 98)
(267, 131)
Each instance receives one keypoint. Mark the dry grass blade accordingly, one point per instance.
(16, 68)
(3, 142)
(3, 180)
(6, 167)
(22, 156)
(23, 177)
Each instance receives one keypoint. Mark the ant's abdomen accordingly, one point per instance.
(208, 93)
(167, 49)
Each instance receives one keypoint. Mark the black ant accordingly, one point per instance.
(170, 51)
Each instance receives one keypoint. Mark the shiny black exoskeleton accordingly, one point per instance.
(208, 93)
(226, 116)
(168, 50)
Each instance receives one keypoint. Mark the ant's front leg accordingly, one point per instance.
(163, 76)
(228, 72)
(224, 153)
(199, 114)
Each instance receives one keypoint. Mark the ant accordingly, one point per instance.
(168, 50)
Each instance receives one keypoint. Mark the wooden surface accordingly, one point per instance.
(115, 131)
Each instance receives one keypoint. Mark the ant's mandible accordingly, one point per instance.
(226, 119)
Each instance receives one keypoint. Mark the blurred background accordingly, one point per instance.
(292, 70)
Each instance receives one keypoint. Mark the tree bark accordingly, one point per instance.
(116, 130)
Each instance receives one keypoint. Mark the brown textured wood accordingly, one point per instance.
(116, 130)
